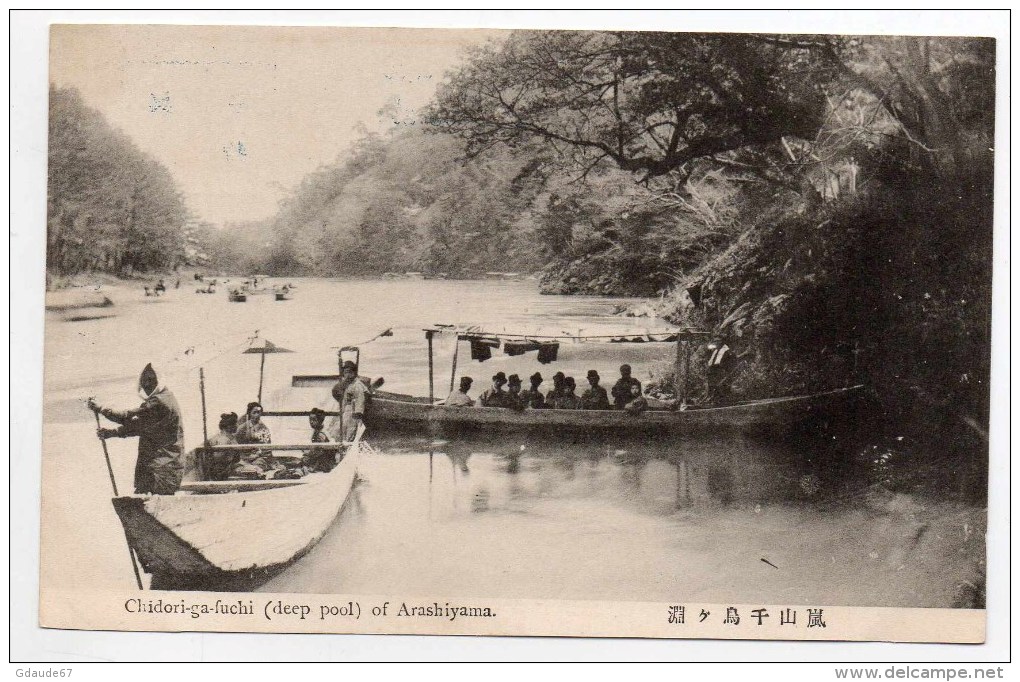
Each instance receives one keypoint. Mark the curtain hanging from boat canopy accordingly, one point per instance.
(518, 341)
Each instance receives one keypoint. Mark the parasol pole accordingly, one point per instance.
(453, 372)
(262, 370)
(432, 390)
(113, 482)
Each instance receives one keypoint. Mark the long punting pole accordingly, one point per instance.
(432, 390)
(113, 482)
(453, 372)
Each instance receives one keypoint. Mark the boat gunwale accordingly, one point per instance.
(423, 402)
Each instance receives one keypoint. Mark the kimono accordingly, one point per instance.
(352, 408)
(157, 423)
(319, 460)
(218, 464)
(254, 463)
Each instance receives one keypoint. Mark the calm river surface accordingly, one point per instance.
(728, 520)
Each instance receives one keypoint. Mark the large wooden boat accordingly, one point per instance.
(396, 411)
(234, 535)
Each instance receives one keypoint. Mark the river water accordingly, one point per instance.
(723, 520)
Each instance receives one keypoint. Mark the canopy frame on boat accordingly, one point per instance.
(682, 337)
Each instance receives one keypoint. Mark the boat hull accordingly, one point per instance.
(396, 411)
(234, 540)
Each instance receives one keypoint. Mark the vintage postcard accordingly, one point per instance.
(517, 332)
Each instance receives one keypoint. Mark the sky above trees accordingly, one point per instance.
(240, 114)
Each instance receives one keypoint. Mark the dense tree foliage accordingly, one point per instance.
(824, 201)
(111, 207)
(650, 102)
(405, 202)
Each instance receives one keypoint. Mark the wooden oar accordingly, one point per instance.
(113, 482)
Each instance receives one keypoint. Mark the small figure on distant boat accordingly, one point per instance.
(567, 399)
(557, 389)
(460, 397)
(148, 291)
(494, 396)
(533, 397)
(595, 398)
(157, 423)
(160, 287)
(623, 389)
(178, 284)
(218, 464)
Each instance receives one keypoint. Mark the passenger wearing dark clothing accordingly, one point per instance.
(567, 399)
(514, 400)
(495, 396)
(623, 390)
(218, 464)
(157, 423)
(533, 397)
(319, 459)
(595, 398)
(557, 389)
(345, 381)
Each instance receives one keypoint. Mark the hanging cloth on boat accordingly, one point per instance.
(481, 349)
(547, 352)
(520, 347)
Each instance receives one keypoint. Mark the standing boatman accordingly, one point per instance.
(352, 394)
(157, 423)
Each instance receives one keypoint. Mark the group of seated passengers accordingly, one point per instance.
(259, 463)
(563, 396)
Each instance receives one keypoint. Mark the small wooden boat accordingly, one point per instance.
(234, 535)
(237, 296)
(396, 411)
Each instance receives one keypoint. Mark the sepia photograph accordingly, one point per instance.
(578, 333)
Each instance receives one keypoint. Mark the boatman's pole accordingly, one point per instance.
(432, 390)
(113, 482)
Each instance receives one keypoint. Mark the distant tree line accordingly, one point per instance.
(110, 206)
